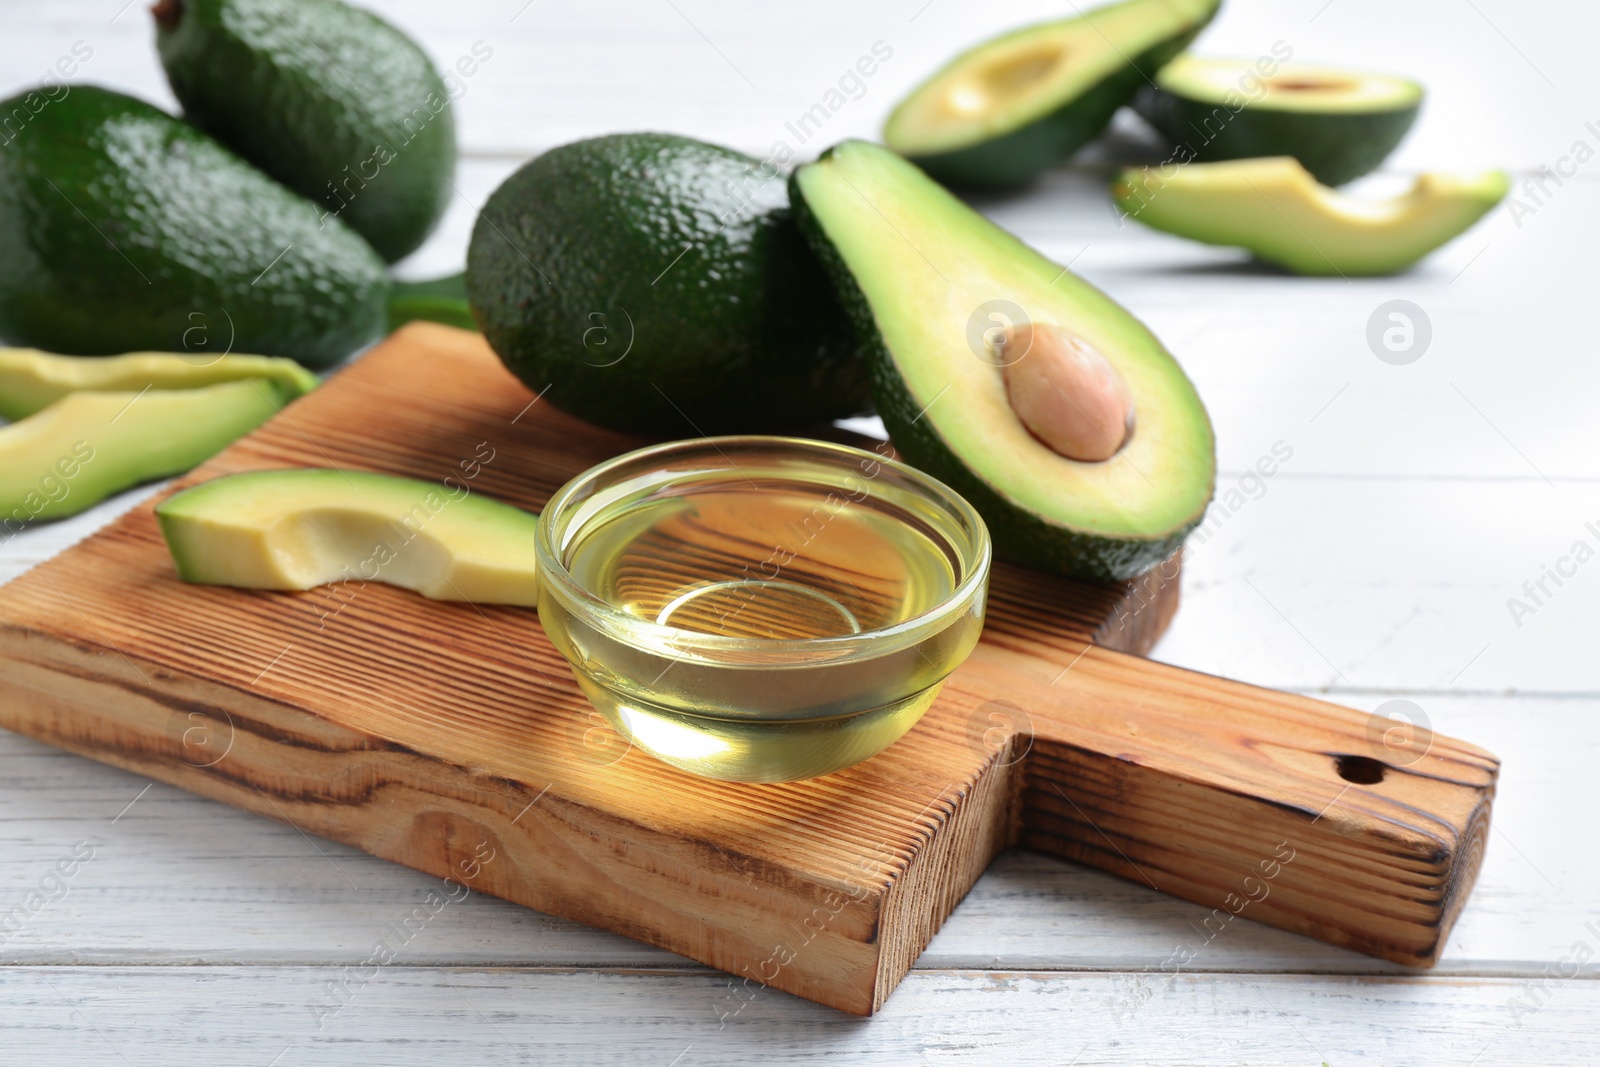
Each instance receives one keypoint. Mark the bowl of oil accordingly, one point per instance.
(761, 609)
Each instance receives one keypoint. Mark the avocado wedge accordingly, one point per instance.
(1339, 123)
(1000, 113)
(31, 380)
(298, 529)
(1276, 210)
(933, 286)
(88, 446)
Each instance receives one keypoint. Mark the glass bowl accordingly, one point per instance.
(761, 609)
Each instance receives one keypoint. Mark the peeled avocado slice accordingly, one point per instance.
(1339, 123)
(31, 380)
(1001, 112)
(88, 446)
(298, 529)
(1276, 210)
(918, 269)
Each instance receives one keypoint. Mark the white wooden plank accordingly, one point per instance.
(179, 879)
(393, 1014)
(1356, 585)
(738, 72)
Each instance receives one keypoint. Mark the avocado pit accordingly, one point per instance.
(1064, 391)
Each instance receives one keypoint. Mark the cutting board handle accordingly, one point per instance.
(1264, 805)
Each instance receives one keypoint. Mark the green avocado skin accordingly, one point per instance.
(1335, 148)
(123, 229)
(1019, 535)
(659, 285)
(1017, 158)
(332, 101)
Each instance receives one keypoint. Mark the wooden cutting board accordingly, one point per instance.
(451, 738)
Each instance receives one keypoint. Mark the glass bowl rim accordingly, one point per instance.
(867, 642)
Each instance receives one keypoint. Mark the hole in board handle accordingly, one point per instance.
(1361, 770)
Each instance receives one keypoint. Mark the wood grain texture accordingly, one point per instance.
(178, 879)
(450, 738)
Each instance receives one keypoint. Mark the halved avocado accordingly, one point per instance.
(31, 380)
(1007, 109)
(88, 446)
(298, 529)
(1339, 123)
(925, 277)
(1276, 210)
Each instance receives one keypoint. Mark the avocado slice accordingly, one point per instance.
(924, 275)
(89, 446)
(1000, 113)
(658, 284)
(1276, 210)
(125, 230)
(1339, 123)
(31, 380)
(298, 529)
(333, 101)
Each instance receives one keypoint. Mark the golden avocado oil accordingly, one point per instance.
(769, 616)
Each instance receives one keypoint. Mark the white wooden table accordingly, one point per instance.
(1376, 565)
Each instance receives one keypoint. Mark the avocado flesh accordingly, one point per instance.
(1276, 210)
(123, 230)
(331, 100)
(1339, 123)
(31, 380)
(914, 265)
(657, 284)
(89, 446)
(298, 529)
(1000, 113)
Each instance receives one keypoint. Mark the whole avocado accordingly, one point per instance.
(123, 229)
(658, 284)
(332, 101)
